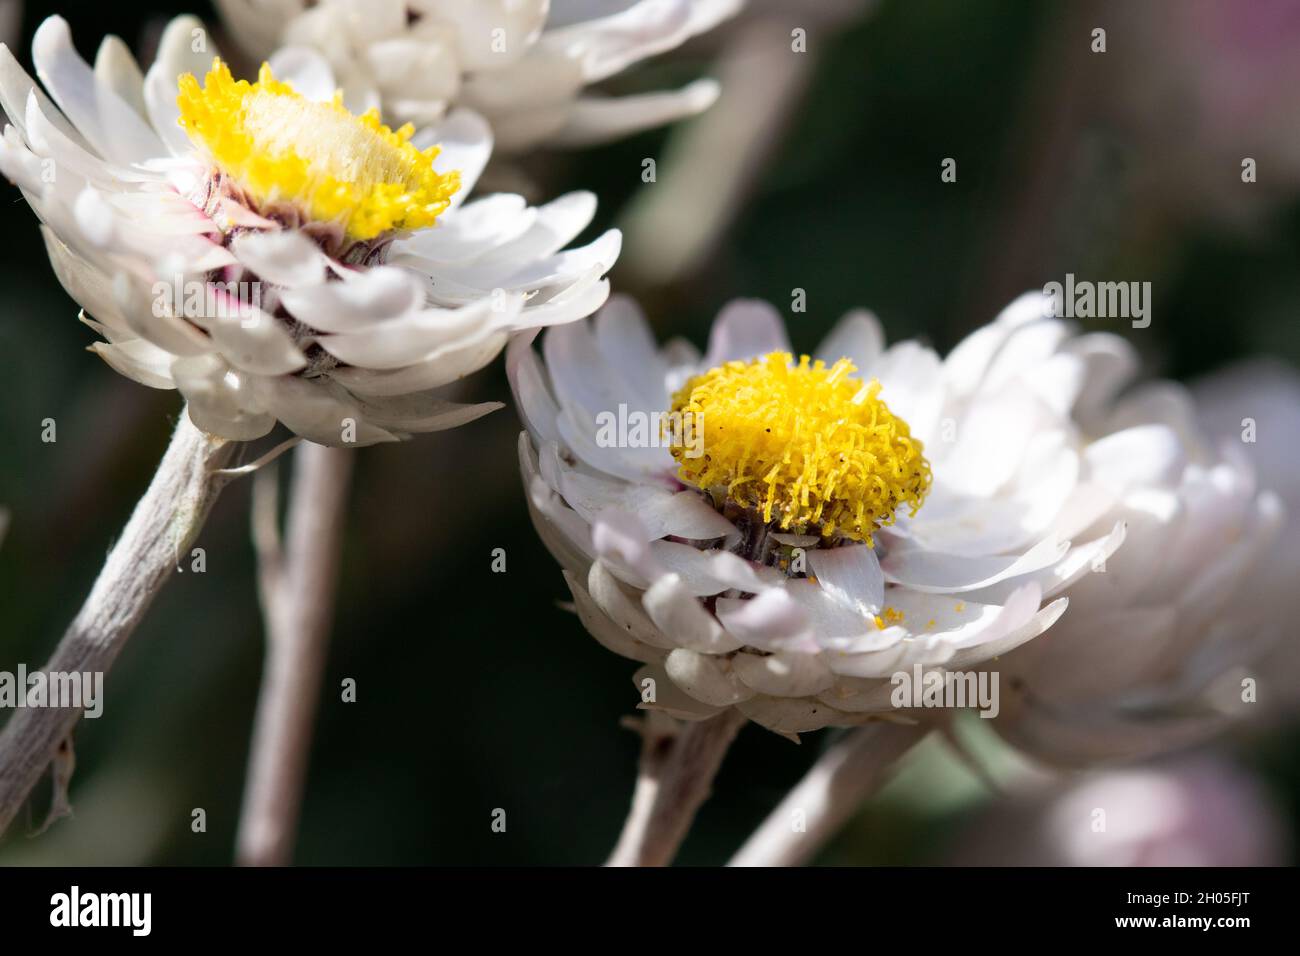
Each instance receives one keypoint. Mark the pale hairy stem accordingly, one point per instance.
(297, 583)
(828, 795)
(158, 535)
(674, 779)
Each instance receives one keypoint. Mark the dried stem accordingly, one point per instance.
(157, 536)
(297, 585)
(828, 795)
(674, 779)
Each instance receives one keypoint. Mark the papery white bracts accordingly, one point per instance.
(523, 64)
(1181, 634)
(1021, 508)
(341, 352)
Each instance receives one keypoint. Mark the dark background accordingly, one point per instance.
(477, 690)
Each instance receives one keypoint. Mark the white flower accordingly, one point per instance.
(503, 58)
(1167, 643)
(1255, 405)
(271, 257)
(760, 590)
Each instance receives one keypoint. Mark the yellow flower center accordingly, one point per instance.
(337, 167)
(812, 448)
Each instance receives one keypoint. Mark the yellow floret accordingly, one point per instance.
(336, 166)
(811, 448)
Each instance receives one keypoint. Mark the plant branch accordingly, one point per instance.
(828, 795)
(674, 779)
(164, 524)
(297, 583)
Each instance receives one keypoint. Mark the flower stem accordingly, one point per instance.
(297, 586)
(828, 795)
(157, 536)
(674, 779)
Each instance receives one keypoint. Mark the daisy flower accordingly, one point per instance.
(524, 64)
(790, 532)
(1170, 642)
(273, 255)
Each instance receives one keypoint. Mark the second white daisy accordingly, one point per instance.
(834, 520)
(524, 64)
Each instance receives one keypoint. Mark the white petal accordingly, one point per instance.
(89, 287)
(15, 89)
(116, 68)
(553, 226)
(176, 56)
(857, 337)
(664, 513)
(465, 141)
(421, 412)
(1046, 492)
(679, 614)
(860, 696)
(795, 715)
(139, 361)
(1145, 455)
(610, 44)
(308, 408)
(605, 630)
(249, 338)
(770, 621)
(419, 71)
(306, 71)
(443, 365)
(613, 598)
(910, 377)
(284, 258)
(585, 295)
(851, 575)
(669, 698)
(706, 677)
(150, 318)
(109, 123)
(588, 389)
(562, 269)
(95, 217)
(406, 341)
(948, 633)
(565, 535)
(712, 571)
(967, 365)
(992, 439)
(1079, 561)
(537, 407)
(594, 119)
(491, 33)
(836, 628)
(626, 342)
(937, 573)
(218, 400)
(1025, 349)
(784, 674)
(1111, 362)
(745, 329)
(995, 647)
(471, 230)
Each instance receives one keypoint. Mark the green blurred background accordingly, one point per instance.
(478, 690)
